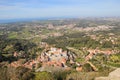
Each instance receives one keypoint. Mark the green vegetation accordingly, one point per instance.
(43, 76)
(30, 39)
(19, 73)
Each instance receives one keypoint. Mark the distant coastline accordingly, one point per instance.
(32, 19)
(5, 21)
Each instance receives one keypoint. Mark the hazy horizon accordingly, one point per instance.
(20, 9)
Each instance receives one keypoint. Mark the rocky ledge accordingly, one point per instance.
(114, 75)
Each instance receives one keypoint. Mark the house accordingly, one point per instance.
(79, 68)
(15, 54)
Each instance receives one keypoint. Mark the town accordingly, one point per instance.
(60, 49)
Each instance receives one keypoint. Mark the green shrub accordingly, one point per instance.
(43, 76)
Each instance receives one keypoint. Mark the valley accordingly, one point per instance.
(67, 49)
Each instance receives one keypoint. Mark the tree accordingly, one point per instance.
(23, 73)
(43, 76)
(114, 58)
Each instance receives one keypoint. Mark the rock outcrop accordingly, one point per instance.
(115, 75)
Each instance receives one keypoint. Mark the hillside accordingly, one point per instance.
(68, 49)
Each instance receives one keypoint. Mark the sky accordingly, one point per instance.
(13, 9)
